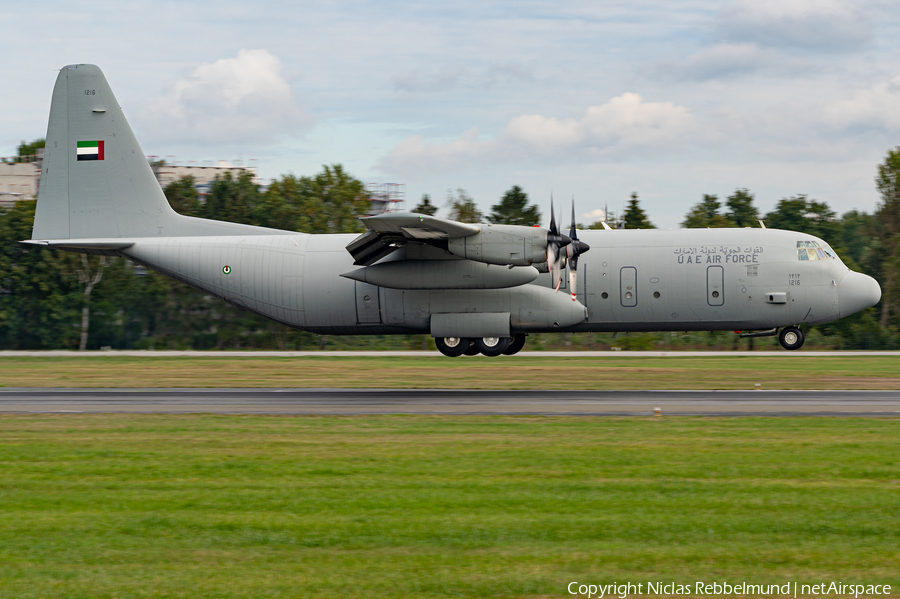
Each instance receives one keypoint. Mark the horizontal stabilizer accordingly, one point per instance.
(82, 244)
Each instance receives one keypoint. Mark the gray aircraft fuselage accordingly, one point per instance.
(631, 280)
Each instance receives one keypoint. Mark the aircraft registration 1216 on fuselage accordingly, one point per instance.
(476, 288)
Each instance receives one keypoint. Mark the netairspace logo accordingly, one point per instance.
(790, 589)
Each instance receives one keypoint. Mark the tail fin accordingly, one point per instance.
(95, 181)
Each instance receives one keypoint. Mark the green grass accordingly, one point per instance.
(243, 506)
(519, 372)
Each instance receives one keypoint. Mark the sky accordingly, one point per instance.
(586, 100)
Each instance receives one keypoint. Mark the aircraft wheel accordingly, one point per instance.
(515, 346)
(452, 346)
(492, 346)
(791, 338)
(473, 349)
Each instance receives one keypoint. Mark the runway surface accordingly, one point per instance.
(455, 402)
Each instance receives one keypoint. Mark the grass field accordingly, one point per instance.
(726, 372)
(224, 506)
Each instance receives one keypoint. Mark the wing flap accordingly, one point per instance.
(370, 247)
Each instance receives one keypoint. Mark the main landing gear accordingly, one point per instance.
(791, 338)
(488, 346)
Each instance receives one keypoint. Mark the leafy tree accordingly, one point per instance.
(706, 214)
(330, 202)
(30, 149)
(808, 216)
(231, 199)
(855, 241)
(741, 210)
(39, 295)
(183, 197)
(425, 206)
(887, 216)
(635, 217)
(89, 274)
(343, 200)
(513, 209)
(463, 207)
(281, 205)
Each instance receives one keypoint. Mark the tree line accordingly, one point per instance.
(51, 299)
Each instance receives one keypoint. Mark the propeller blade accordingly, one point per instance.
(572, 232)
(574, 249)
(553, 230)
(555, 243)
(573, 277)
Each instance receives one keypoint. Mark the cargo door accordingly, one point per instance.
(628, 286)
(368, 308)
(715, 285)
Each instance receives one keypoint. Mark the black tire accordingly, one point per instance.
(515, 346)
(791, 338)
(492, 346)
(473, 350)
(452, 346)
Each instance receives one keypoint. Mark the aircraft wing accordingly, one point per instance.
(418, 226)
(387, 232)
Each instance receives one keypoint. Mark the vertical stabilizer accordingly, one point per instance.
(95, 180)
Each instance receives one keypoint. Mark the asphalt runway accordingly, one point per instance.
(145, 353)
(450, 402)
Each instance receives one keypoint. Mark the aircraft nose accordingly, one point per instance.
(857, 292)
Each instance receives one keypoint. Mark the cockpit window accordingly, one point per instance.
(811, 250)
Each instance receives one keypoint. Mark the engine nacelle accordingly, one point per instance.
(514, 245)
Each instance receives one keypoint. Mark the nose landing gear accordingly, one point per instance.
(791, 338)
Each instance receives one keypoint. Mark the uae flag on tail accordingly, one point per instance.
(90, 150)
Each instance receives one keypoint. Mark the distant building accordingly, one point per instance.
(18, 181)
(385, 197)
(203, 175)
(21, 180)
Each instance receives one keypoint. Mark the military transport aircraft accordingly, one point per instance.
(476, 288)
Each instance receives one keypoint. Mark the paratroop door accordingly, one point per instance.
(628, 286)
(368, 310)
(715, 285)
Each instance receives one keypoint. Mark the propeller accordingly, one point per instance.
(573, 250)
(555, 243)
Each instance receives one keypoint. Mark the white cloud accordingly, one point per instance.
(829, 25)
(877, 107)
(239, 100)
(625, 124)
